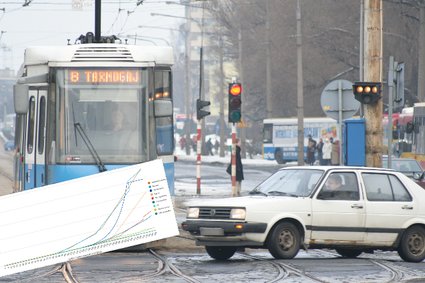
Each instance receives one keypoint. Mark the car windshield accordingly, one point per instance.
(290, 182)
(403, 165)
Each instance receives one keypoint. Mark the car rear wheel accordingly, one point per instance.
(350, 253)
(220, 253)
(284, 241)
(412, 244)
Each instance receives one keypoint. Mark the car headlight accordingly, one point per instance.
(238, 213)
(192, 212)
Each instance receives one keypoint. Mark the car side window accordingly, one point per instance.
(400, 192)
(384, 187)
(340, 186)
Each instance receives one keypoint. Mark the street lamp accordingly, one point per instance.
(151, 37)
(177, 17)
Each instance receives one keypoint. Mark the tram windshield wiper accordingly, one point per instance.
(90, 146)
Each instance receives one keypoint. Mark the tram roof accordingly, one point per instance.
(118, 53)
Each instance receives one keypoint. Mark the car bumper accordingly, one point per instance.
(224, 233)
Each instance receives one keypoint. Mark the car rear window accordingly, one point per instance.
(384, 187)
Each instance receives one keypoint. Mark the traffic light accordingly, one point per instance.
(199, 112)
(367, 92)
(235, 102)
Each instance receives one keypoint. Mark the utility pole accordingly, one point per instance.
(223, 134)
(243, 129)
(188, 88)
(300, 86)
(421, 53)
(373, 73)
(269, 101)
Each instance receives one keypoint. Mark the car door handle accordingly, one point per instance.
(409, 207)
(358, 206)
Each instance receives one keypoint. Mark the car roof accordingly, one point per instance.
(327, 168)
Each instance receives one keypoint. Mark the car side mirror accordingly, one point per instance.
(418, 175)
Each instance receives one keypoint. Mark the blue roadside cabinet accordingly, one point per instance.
(354, 135)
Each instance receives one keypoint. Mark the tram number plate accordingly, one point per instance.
(211, 231)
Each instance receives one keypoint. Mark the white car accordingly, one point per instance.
(301, 207)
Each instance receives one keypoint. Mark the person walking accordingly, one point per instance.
(311, 149)
(319, 148)
(209, 147)
(335, 153)
(239, 168)
(327, 151)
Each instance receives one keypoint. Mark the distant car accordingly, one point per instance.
(301, 207)
(9, 145)
(408, 166)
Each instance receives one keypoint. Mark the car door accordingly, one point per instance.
(338, 219)
(388, 204)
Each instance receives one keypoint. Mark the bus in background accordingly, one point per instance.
(90, 107)
(280, 136)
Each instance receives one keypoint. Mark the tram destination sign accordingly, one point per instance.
(85, 216)
(103, 76)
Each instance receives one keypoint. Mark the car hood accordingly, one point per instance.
(247, 201)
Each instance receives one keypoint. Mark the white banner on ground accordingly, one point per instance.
(86, 216)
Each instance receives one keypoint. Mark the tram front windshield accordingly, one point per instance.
(104, 112)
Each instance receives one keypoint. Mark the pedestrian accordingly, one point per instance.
(194, 143)
(239, 168)
(209, 147)
(311, 149)
(182, 143)
(327, 151)
(319, 148)
(216, 146)
(335, 153)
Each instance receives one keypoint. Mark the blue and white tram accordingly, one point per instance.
(86, 108)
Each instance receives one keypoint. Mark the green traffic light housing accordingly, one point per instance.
(235, 102)
(367, 92)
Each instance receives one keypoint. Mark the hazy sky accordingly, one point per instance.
(52, 22)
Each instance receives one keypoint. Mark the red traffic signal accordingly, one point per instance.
(367, 92)
(235, 102)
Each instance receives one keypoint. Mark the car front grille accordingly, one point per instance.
(214, 212)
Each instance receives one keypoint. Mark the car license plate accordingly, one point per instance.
(211, 231)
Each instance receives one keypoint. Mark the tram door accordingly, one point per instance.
(35, 175)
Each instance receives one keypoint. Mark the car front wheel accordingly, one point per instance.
(284, 241)
(220, 253)
(412, 245)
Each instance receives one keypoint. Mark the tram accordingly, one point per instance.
(90, 107)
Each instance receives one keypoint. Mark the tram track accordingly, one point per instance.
(165, 265)
(284, 270)
(396, 275)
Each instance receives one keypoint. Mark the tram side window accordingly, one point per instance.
(42, 125)
(31, 125)
(163, 125)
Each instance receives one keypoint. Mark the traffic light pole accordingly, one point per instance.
(198, 157)
(234, 190)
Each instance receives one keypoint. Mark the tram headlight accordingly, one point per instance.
(192, 212)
